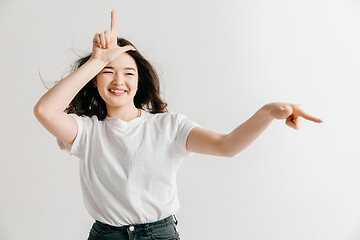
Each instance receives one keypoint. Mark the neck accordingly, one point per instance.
(125, 113)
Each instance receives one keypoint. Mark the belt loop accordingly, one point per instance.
(176, 221)
(147, 230)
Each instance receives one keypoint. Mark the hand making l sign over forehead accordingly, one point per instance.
(105, 47)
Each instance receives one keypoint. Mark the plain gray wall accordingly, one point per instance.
(219, 62)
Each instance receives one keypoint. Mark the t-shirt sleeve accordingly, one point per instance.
(183, 128)
(78, 148)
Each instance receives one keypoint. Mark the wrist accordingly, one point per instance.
(267, 110)
(97, 61)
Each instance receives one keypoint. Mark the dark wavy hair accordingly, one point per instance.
(88, 101)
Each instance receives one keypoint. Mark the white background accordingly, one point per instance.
(219, 62)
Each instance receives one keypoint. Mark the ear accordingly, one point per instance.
(94, 82)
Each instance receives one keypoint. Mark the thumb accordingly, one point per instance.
(129, 48)
(286, 111)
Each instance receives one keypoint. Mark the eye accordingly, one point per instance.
(130, 74)
(107, 72)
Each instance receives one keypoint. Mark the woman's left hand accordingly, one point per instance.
(290, 112)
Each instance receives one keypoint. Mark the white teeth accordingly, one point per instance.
(116, 91)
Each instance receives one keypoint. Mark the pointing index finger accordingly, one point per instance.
(113, 22)
(310, 117)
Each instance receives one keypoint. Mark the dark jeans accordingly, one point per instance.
(164, 229)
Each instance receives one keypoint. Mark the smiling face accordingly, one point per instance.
(122, 73)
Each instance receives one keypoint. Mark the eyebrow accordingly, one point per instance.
(127, 68)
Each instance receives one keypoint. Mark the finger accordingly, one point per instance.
(297, 122)
(288, 110)
(129, 48)
(107, 38)
(105, 42)
(99, 40)
(96, 39)
(309, 117)
(102, 40)
(113, 23)
(290, 122)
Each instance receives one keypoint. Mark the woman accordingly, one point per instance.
(129, 156)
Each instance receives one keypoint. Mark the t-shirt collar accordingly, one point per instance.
(121, 122)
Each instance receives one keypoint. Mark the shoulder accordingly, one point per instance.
(166, 116)
(166, 120)
(93, 117)
(86, 120)
(172, 120)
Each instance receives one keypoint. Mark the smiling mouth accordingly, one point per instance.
(117, 93)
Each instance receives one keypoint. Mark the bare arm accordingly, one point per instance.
(245, 134)
(205, 141)
(105, 50)
(59, 97)
(49, 110)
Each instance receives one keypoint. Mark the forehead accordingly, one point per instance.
(123, 61)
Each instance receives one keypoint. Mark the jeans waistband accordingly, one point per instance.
(159, 223)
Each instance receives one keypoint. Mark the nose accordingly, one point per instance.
(118, 80)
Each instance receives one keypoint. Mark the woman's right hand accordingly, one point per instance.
(105, 47)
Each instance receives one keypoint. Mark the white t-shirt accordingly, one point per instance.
(128, 169)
